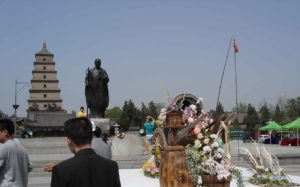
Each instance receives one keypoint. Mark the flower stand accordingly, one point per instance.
(173, 170)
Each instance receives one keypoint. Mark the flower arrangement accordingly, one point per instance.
(150, 169)
(265, 167)
(206, 156)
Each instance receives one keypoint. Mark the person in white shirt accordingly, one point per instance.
(14, 160)
(99, 146)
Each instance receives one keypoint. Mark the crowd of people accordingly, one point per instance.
(91, 165)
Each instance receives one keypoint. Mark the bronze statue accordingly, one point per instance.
(96, 90)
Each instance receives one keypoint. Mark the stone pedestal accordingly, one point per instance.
(103, 123)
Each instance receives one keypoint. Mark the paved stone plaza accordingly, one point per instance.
(129, 154)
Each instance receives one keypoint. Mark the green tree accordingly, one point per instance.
(114, 113)
(34, 107)
(279, 115)
(124, 119)
(152, 110)
(130, 115)
(144, 111)
(242, 108)
(53, 107)
(251, 119)
(264, 114)
(293, 108)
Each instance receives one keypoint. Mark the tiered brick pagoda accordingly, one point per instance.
(44, 92)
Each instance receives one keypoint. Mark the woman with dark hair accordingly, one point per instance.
(105, 137)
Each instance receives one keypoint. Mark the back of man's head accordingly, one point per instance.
(79, 130)
(8, 125)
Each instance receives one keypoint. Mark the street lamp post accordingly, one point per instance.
(16, 106)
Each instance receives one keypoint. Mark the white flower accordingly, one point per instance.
(206, 141)
(197, 143)
(213, 136)
(206, 149)
(220, 150)
(190, 120)
(267, 170)
(193, 108)
(258, 167)
(218, 155)
(215, 144)
(200, 135)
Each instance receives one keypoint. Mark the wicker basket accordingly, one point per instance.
(174, 119)
(212, 181)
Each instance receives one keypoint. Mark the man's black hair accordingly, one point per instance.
(79, 130)
(7, 124)
(98, 132)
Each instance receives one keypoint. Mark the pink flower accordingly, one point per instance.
(197, 143)
(197, 130)
(206, 141)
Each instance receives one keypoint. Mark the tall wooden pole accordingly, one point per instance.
(236, 93)
(228, 51)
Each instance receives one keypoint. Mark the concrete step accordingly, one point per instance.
(48, 150)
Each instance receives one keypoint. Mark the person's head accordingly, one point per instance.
(7, 130)
(82, 109)
(97, 62)
(97, 132)
(149, 119)
(105, 137)
(78, 132)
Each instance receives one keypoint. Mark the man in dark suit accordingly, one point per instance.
(86, 168)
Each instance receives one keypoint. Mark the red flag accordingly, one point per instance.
(236, 49)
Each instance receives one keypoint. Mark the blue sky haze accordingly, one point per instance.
(146, 45)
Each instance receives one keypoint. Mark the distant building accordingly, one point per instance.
(44, 92)
(45, 112)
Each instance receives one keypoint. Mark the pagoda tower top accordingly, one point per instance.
(44, 51)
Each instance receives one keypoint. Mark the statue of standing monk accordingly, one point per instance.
(96, 90)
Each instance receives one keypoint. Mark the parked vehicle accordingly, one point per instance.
(263, 137)
(247, 138)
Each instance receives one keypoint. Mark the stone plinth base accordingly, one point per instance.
(103, 123)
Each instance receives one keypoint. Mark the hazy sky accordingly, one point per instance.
(145, 45)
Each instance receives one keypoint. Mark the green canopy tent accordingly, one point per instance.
(294, 125)
(272, 126)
